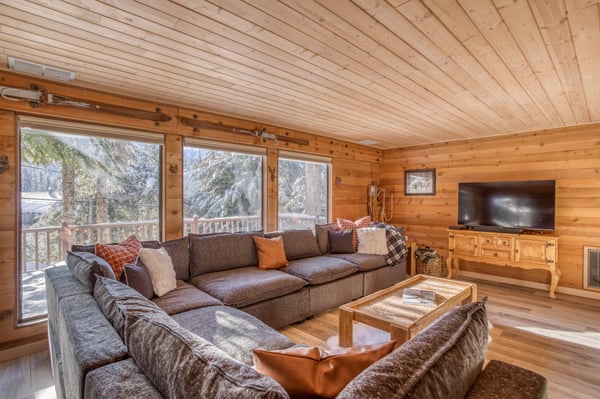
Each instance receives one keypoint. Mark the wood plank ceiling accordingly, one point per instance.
(397, 72)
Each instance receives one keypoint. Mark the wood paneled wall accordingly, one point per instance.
(355, 165)
(571, 156)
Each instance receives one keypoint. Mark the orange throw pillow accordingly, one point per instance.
(310, 371)
(271, 253)
(344, 224)
(117, 255)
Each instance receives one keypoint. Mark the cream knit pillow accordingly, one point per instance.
(160, 266)
(372, 241)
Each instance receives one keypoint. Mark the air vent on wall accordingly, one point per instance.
(591, 265)
(367, 142)
(40, 70)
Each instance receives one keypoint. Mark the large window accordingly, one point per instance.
(81, 184)
(303, 190)
(223, 187)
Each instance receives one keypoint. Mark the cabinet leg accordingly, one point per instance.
(554, 282)
(449, 262)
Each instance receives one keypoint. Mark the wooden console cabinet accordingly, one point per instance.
(527, 251)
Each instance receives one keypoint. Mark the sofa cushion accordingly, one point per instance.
(247, 285)
(121, 304)
(85, 266)
(298, 243)
(219, 252)
(161, 269)
(60, 283)
(179, 251)
(340, 242)
(310, 371)
(86, 341)
(183, 298)
(92, 247)
(322, 235)
(271, 254)
(184, 365)
(504, 380)
(233, 331)
(443, 361)
(138, 277)
(117, 255)
(120, 380)
(363, 261)
(320, 269)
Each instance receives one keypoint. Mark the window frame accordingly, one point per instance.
(60, 126)
(214, 145)
(303, 157)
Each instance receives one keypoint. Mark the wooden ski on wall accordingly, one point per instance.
(37, 97)
(263, 134)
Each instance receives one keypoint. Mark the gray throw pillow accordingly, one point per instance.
(321, 232)
(340, 242)
(181, 364)
(138, 277)
(122, 305)
(442, 361)
(85, 266)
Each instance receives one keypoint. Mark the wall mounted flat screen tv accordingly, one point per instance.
(507, 205)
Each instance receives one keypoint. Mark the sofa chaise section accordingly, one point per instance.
(232, 330)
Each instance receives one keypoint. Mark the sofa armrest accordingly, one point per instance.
(503, 380)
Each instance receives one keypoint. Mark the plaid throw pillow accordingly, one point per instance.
(117, 255)
(350, 225)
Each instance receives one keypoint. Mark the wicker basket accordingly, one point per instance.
(428, 264)
(435, 267)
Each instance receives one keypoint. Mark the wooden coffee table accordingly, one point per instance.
(384, 309)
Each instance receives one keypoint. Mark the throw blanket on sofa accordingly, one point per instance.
(395, 242)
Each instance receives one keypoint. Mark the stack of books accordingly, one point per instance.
(413, 296)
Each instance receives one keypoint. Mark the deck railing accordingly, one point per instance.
(45, 246)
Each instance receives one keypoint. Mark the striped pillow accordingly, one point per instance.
(117, 255)
(344, 224)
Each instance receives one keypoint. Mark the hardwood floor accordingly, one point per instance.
(28, 377)
(559, 339)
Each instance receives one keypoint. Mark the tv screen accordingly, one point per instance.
(507, 204)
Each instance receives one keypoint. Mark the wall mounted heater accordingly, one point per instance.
(591, 266)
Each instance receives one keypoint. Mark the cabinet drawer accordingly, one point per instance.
(500, 242)
(496, 254)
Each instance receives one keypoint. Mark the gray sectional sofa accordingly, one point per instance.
(109, 341)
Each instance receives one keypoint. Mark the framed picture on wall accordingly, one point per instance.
(419, 182)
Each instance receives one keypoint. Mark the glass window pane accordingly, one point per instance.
(303, 189)
(222, 191)
(78, 189)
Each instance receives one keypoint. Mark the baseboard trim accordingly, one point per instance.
(23, 350)
(531, 284)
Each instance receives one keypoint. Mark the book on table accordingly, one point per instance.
(414, 296)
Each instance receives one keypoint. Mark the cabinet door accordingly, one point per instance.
(535, 251)
(465, 244)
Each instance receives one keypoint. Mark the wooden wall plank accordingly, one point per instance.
(526, 156)
(272, 189)
(8, 236)
(173, 193)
